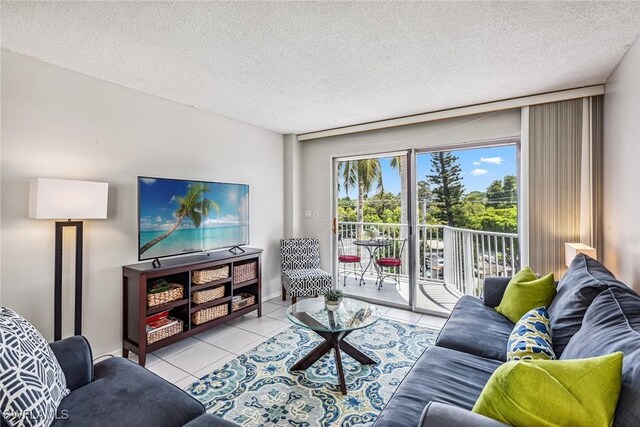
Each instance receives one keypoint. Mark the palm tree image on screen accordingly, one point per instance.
(192, 205)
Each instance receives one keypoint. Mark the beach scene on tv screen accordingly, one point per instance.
(178, 217)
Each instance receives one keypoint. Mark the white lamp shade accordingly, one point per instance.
(67, 199)
(573, 249)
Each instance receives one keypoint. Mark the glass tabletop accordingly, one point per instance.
(372, 243)
(352, 314)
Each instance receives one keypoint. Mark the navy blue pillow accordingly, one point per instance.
(582, 283)
(612, 323)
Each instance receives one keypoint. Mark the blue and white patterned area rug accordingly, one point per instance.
(257, 388)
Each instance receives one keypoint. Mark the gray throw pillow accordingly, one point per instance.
(582, 283)
(611, 324)
(32, 383)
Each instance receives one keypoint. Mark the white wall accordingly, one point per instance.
(58, 123)
(621, 198)
(291, 186)
(316, 159)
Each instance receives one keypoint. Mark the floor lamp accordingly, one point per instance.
(573, 249)
(67, 199)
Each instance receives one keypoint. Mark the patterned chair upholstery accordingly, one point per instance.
(301, 273)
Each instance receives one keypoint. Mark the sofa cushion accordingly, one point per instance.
(531, 337)
(580, 393)
(32, 383)
(612, 323)
(124, 393)
(477, 329)
(524, 292)
(584, 280)
(439, 375)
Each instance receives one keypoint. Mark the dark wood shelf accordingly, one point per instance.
(196, 307)
(244, 310)
(167, 306)
(247, 283)
(167, 341)
(232, 315)
(137, 277)
(210, 284)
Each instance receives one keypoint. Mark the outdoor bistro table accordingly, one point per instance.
(333, 326)
(372, 247)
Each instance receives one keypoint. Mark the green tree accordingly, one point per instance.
(365, 175)
(193, 206)
(471, 211)
(476, 197)
(503, 220)
(447, 185)
(503, 193)
(510, 185)
(495, 193)
(346, 210)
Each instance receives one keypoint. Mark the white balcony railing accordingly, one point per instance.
(459, 258)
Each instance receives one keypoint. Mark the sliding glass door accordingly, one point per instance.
(420, 229)
(467, 211)
(372, 228)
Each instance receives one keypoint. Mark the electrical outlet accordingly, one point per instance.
(307, 214)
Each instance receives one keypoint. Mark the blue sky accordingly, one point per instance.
(157, 203)
(480, 166)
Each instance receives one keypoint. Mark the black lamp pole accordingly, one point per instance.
(57, 310)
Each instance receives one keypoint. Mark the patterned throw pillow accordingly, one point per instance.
(32, 383)
(531, 337)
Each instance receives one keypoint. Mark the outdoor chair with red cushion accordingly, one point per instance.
(345, 259)
(389, 262)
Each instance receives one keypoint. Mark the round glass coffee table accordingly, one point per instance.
(333, 326)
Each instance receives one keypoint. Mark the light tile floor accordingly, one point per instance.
(188, 360)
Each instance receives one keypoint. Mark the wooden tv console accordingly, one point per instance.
(136, 279)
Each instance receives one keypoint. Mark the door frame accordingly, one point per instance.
(412, 208)
(409, 153)
(469, 146)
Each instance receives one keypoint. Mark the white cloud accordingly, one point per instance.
(476, 163)
(148, 181)
(493, 160)
(243, 209)
(158, 219)
(221, 220)
(477, 172)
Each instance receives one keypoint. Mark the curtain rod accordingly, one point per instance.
(505, 104)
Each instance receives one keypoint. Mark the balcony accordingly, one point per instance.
(451, 262)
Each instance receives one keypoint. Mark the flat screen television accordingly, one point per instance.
(177, 216)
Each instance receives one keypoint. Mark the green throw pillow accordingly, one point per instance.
(524, 292)
(576, 393)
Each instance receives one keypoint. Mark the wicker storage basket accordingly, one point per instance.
(175, 293)
(245, 272)
(247, 300)
(207, 295)
(203, 276)
(162, 333)
(209, 314)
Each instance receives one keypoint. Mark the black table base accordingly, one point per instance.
(335, 341)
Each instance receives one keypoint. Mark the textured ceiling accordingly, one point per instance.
(300, 67)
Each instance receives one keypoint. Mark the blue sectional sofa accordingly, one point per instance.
(117, 392)
(592, 314)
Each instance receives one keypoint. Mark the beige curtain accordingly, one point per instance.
(564, 180)
(596, 138)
